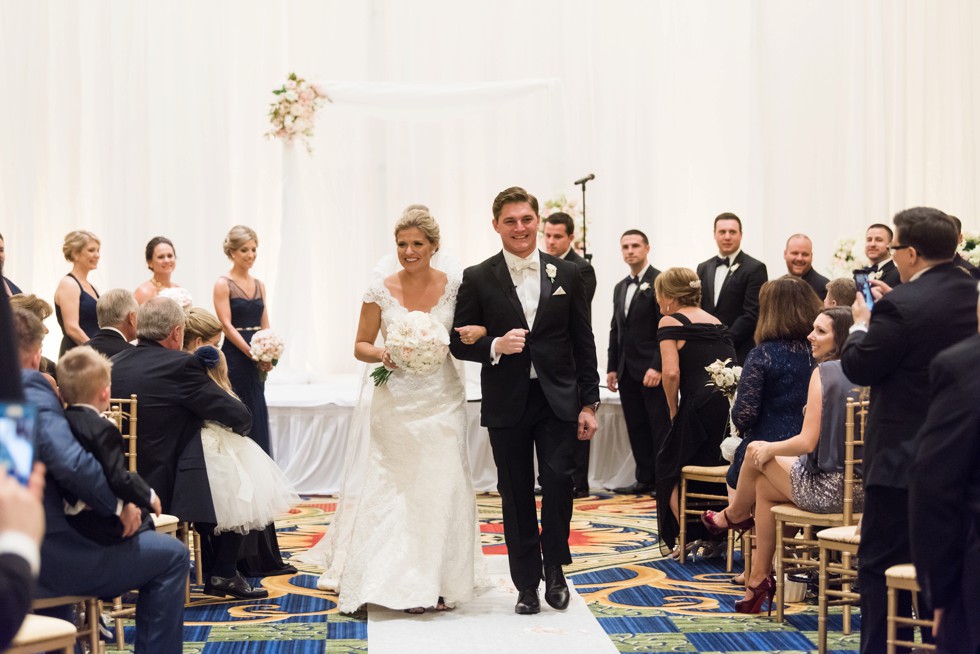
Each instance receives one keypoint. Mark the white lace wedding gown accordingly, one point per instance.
(407, 533)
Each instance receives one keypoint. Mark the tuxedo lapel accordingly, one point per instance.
(621, 296)
(547, 288)
(708, 292)
(502, 273)
(728, 275)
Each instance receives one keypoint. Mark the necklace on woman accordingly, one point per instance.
(153, 280)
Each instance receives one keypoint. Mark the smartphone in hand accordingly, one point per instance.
(17, 423)
(863, 283)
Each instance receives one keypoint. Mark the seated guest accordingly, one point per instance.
(876, 242)
(43, 311)
(944, 514)
(154, 564)
(773, 387)
(83, 379)
(8, 286)
(116, 311)
(958, 258)
(799, 263)
(840, 293)
(21, 530)
(176, 396)
(807, 469)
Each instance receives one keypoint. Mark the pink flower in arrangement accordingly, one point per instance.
(294, 110)
(307, 95)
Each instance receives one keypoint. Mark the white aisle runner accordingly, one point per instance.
(488, 624)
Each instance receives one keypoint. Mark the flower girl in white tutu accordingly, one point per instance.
(248, 488)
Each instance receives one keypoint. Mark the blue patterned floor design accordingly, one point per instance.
(646, 604)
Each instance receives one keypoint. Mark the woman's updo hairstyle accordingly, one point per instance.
(200, 323)
(154, 242)
(422, 220)
(680, 284)
(238, 236)
(75, 241)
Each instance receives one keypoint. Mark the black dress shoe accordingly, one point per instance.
(639, 488)
(527, 602)
(581, 493)
(286, 569)
(555, 588)
(235, 586)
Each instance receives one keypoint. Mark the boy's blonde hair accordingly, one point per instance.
(82, 374)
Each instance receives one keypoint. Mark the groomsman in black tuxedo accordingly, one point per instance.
(973, 271)
(731, 282)
(944, 512)
(540, 389)
(633, 367)
(876, 242)
(116, 311)
(559, 236)
(799, 263)
(890, 349)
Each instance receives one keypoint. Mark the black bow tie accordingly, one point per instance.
(873, 268)
(722, 261)
(633, 280)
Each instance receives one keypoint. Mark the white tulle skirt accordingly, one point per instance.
(247, 487)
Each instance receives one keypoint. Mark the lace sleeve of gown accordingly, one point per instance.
(748, 402)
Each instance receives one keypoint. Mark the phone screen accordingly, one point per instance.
(864, 286)
(17, 439)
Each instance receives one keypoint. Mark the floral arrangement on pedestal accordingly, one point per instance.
(293, 114)
(561, 204)
(848, 255)
(969, 249)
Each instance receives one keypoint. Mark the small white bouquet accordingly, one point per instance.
(725, 379)
(266, 347)
(178, 295)
(293, 114)
(417, 343)
(969, 249)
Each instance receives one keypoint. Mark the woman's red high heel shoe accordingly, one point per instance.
(708, 520)
(753, 604)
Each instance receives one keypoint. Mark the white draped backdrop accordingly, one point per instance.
(133, 119)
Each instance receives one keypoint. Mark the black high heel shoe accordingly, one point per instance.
(708, 520)
(753, 605)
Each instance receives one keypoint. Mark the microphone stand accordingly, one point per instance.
(585, 253)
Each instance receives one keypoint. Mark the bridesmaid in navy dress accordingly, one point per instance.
(239, 302)
(75, 298)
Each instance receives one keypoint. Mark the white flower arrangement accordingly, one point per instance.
(848, 255)
(726, 379)
(293, 114)
(417, 343)
(551, 271)
(969, 249)
(266, 347)
(562, 204)
(178, 295)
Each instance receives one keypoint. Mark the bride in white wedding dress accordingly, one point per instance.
(406, 533)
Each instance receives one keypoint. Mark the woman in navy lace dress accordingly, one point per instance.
(239, 302)
(772, 390)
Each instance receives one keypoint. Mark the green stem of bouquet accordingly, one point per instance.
(380, 375)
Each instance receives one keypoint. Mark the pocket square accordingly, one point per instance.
(559, 291)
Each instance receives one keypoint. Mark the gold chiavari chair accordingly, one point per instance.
(692, 510)
(87, 606)
(902, 577)
(836, 543)
(39, 633)
(799, 555)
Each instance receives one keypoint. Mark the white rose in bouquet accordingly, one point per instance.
(417, 344)
(178, 295)
(266, 347)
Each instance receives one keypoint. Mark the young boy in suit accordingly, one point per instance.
(84, 378)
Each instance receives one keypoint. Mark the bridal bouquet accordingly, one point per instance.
(266, 347)
(178, 295)
(294, 112)
(969, 249)
(725, 379)
(417, 343)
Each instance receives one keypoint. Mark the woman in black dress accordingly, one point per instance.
(75, 299)
(239, 302)
(690, 339)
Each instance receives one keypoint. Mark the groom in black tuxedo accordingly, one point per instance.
(540, 388)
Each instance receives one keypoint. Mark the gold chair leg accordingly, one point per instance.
(846, 586)
(779, 570)
(822, 604)
(892, 612)
(681, 521)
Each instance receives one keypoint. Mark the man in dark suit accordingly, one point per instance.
(890, 349)
(731, 282)
(116, 311)
(154, 564)
(559, 237)
(176, 396)
(798, 255)
(540, 388)
(633, 362)
(876, 242)
(944, 498)
(973, 271)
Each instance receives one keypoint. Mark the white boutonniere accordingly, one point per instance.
(645, 286)
(551, 271)
(731, 271)
(875, 275)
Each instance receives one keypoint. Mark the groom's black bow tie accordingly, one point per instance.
(722, 261)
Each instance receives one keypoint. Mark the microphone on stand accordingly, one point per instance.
(581, 182)
(585, 179)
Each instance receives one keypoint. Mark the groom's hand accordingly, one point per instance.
(587, 424)
(511, 343)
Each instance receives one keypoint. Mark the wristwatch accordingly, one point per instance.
(594, 406)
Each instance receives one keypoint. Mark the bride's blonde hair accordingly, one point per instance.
(422, 220)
